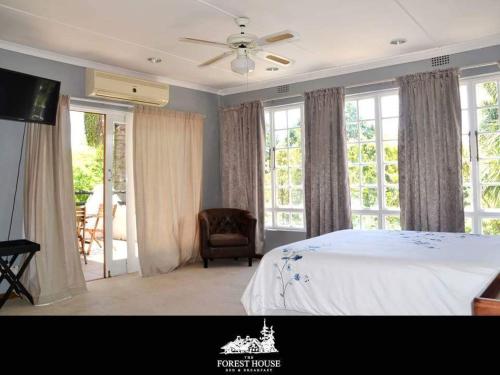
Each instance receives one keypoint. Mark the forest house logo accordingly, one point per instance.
(251, 345)
(248, 348)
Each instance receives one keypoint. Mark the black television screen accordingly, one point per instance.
(28, 98)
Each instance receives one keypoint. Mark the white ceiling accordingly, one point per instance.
(334, 34)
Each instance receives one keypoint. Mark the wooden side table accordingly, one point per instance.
(9, 252)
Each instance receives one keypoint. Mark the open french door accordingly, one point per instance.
(115, 237)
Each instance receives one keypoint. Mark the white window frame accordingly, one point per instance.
(381, 211)
(477, 213)
(274, 207)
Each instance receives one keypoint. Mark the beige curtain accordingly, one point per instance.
(429, 152)
(242, 162)
(168, 150)
(49, 210)
(327, 196)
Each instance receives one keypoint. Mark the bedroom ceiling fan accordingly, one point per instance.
(244, 46)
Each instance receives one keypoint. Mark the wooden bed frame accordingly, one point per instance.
(488, 301)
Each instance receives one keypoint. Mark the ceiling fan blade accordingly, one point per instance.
(203, 42)
(282, 36)
(274, 58)
(216, 58)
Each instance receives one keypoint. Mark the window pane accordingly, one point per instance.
(297, 220)
(467, 198)
(489, 171)
(366, 108)
(356, 222)
(296, 176)
(353, 153)
(487, 119)
(391, 173)
(282, 158)
(390, 106)
(468, 225)
(294, 118)
(295, 156)
(392, 223)
(280, 120)
(294, 138)
(354, 175)
(369, 197)
(267, 180)
(283, 195)
(268, 197)
(268, 219)
(391, 197)
(351, 111)
(390, 151)
(367, 130)
(489, 145)
(465, 148)
(369, 222)
(352, 132)
(368, 152)
(463, 96)
(486, 94)
(369, 174)
(283, 219)
(282, 176)
(296, 195)
(490, 196)
(281, 138)
(465, 122)
(466, 171)
(490, 226)
(390, 129)
(355, 198)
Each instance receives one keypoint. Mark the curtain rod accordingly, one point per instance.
(125, 106)
(391, 80)
(86, 100)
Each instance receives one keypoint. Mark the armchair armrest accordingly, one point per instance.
(251, 227)
(204, 229)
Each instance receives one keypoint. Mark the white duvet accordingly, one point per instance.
(353, 272)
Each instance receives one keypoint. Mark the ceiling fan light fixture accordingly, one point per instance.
(242, 65)
(398, 41)
(154, 60)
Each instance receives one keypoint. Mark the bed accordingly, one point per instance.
(352, 272)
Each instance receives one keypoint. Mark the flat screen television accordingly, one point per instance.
(28, 98)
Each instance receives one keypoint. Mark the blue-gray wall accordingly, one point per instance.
(73, 83)
(364, 81)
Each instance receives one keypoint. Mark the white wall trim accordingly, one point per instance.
(44, 54)
(489, 41)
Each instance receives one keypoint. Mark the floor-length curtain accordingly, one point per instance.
(49, 210)
(168, 151)
(429, 154)
(242, 161)
(327, 197)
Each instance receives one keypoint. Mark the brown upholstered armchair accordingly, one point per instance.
(227, 233)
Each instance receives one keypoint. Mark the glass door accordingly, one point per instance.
(101, 146)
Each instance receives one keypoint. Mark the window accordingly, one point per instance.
(481, 155)
(372, 153)
(283, 179)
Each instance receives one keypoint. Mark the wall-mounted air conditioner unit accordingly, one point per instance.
(118, 87)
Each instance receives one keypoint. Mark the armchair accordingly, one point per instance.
(227, 233)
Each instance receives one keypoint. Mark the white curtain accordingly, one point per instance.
(168, 150)
(49, 211)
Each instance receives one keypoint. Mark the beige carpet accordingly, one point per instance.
(191, 290)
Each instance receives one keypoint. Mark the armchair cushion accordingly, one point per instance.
(228, 239)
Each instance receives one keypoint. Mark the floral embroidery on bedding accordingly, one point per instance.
(287, 273)
(429, 240)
